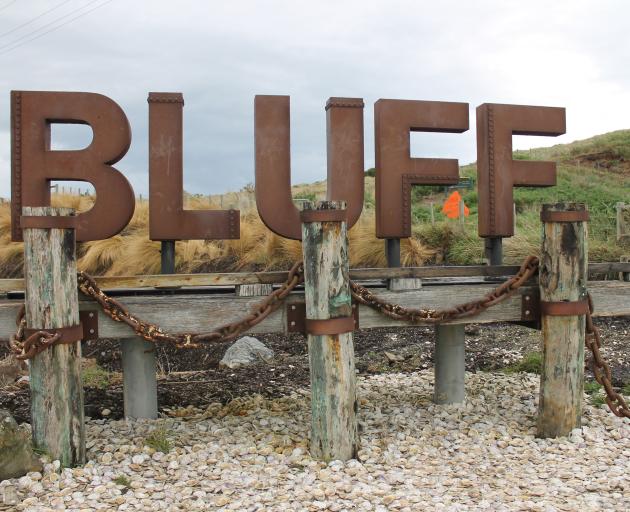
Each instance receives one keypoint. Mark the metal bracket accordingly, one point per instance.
(530, 309)
(296, 316)
(89, 320)
(530, 306)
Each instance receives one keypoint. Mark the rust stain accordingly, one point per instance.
(336, 347)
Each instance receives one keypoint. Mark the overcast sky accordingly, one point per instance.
(573, 54)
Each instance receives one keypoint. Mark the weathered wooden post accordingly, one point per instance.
(622, 225)
(329, 326)
(50, 272)
(563, 277)
(624, 276)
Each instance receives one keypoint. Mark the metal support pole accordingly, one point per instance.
(139, 378)
(450, 364)
(139, 360)
(392, 250)
(168, 257)
(494, 250)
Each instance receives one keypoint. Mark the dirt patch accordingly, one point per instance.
(193, 377)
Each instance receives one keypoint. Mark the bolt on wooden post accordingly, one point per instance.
(50, 272)
(563, 279)
(329, 325)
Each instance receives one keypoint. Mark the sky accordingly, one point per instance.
(572, 54)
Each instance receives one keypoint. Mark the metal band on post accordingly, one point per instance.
(324, 215)
(331, 326)
(566, 216)
(564, 308)
(68, 335)
(33, 222)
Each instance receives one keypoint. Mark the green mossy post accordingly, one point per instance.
(333, 379)
(50, 272)
(563, 277)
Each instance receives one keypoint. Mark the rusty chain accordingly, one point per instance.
(37, 342)
(600, 368)
(432, 316)
(40, 340)
(151, 332)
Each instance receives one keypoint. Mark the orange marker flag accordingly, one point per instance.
(451, 206)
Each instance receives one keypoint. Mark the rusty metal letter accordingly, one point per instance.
(497, 172)
(167, 218)
(34, 165)
(344, 121)
(396, 171)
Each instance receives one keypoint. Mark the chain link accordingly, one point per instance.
(600, 368)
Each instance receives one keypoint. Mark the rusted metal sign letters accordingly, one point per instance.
(35, 165)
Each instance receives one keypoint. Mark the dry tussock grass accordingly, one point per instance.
(132, 253)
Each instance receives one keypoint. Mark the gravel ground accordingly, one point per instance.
(252, 455)
(193, 377)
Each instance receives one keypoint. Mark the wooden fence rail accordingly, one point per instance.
(197, 312)
(157, 281)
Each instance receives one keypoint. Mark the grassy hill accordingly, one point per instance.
(595, 171)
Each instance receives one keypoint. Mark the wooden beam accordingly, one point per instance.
(201, 312)
(356, 274)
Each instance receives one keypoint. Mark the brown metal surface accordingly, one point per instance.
(345, 165)
(497, 172)
(324, 215)
(167, 218)
(344, 118)
(573, 216)
(564, 308)
(67, 335)
(89, 320)
(30, 222)
(329, 326)
(296, 317)
(396, 171)
(34, 165)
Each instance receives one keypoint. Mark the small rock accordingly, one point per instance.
(16, 452)
(472, 329)
(9, 495)
(137, 459)
(393, 358)
(105, 412)
(23, 381)
(244, 352)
